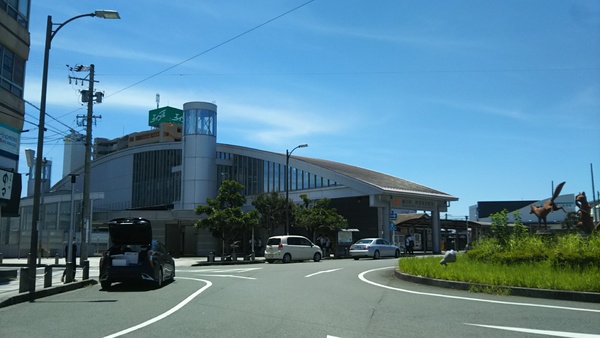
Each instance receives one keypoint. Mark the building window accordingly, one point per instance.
(12, 72)
(200, 122)
(17, 9)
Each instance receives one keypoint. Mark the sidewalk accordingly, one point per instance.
(11, 268)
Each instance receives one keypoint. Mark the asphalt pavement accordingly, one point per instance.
(10, 295)
(10, 276)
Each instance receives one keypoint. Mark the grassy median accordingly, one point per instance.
(566, 262)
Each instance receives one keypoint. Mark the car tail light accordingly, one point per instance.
(150, 258)
(366, 247)
(280, 246)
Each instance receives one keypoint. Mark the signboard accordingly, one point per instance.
(393, 216)
(9, 139)
(413, 203)
(6, 181)
(392, 226)
(165, 114)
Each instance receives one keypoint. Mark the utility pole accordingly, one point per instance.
(89, 97)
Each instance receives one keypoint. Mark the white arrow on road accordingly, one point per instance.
(320, 272)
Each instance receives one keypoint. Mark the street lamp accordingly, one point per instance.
(50, 33)
(287, 187)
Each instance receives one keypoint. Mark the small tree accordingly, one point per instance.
(500, 229)
(570, 222)
(225, 218)
(520, 231)
(271, 208)
(317, 215)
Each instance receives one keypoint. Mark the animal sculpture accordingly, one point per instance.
(585, 224)
(543, 211)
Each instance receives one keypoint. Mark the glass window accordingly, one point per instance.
(190, 122)
(12, 72)
(304, 241)
(293, 241)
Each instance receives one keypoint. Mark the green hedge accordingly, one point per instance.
(570, 250)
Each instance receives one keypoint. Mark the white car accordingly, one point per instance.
(373, 247)
(291, 248)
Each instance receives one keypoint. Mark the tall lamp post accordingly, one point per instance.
(287, 186)
(50, 33)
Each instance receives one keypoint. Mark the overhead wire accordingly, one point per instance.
(176, 65)
(213, 47)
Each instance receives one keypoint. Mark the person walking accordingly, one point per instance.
(73, 262)
(409, 245)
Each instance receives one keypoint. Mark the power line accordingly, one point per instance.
(213, 48)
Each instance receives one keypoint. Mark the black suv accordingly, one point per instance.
(134, 256)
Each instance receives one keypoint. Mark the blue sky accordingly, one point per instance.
(483, 100)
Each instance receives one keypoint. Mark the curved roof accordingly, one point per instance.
(383, 183)
(380, 180)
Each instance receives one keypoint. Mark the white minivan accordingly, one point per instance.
(291, 248)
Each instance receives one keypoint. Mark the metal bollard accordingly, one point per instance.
(86, 270)
(1, 257)
(23, 280)
(69, 273)
(47, 276)
(56, 259)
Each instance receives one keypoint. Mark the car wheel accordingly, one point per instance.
(159, 279)
(287, 258)
(317, 257)
(397, 253)
(376, 255)
(270, 261)
(355, 258)
(105, 285)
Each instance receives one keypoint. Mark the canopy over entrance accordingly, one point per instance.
(423, 220)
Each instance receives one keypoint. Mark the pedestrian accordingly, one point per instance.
(259, 246)
(327, 245)
(252, 243)
(409, 245)
(73, 262)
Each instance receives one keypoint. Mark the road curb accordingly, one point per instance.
(53, 290)
(589, 297)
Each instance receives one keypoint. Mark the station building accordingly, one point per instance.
(164, 173)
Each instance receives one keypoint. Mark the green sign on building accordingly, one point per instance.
(165, 114)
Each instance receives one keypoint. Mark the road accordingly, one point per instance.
(332, 298)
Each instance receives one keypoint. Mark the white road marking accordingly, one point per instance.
(234, 270)
(361, 276)
(320, 272)
(168, 313)
(229, 276)
(542, 332)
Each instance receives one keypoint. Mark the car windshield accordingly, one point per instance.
(364, 241)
